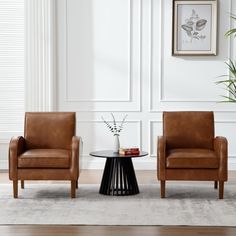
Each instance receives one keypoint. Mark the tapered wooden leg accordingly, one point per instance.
(15, 188)
(215, 184)
(22, 184)
(221, 189)
(76, 184)
(73, 188)
(163, 188)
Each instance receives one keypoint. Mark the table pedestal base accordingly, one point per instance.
(119, 177)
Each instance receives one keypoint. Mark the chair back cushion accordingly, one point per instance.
(49, 130)
(190, 129)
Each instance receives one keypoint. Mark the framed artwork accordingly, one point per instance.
(194, 27)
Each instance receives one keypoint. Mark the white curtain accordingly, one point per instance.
(11, 67)
(40, 55)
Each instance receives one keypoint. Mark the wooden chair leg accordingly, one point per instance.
(73, 188)
(76, 184)
(163, 188)
(215, 184)
(22, 184)
(15, 188)
(221, 189)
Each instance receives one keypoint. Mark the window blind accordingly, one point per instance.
(11, 65)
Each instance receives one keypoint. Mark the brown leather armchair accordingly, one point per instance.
(188, 150)
(49, 150)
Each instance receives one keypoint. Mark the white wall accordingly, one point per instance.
(115, 56)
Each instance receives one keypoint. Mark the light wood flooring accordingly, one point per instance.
(29, 230)
(94, 177)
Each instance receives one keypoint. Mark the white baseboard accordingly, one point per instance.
(139, 164)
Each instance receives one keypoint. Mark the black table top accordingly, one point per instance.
(112, 154)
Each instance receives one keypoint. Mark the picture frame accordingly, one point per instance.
(194, 27)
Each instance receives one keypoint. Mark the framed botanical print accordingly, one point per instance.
(194, 27)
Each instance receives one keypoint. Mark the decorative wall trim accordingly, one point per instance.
(151, 122)
(160, 75)
(130, 62)
(161, 99)
(148, 21)
(132, 97)
(225, 121)
(40, 55)
(150, 79)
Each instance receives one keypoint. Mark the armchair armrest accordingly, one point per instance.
(16, 148)
(76, 150)
(221, 149)
(161, 157)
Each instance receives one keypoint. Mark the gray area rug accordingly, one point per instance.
(186, 204)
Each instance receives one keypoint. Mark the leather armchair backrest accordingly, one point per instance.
(49, 129)
(188, 129)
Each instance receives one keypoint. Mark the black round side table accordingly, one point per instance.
(118, 176)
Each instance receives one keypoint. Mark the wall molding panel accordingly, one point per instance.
(131, 96)
(130, 63)
(154, 81)
(151, 140)
(157, 85)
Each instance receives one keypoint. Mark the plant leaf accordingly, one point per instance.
(230, 82)
(122, 123)
(230, 32)
(114, 122)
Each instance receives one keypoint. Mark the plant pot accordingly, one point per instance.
(116, 144)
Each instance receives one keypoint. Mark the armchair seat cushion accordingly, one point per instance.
(45, 158)
(192, 158)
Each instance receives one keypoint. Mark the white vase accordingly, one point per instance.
(116, 144)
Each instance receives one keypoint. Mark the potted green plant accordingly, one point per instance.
(230, 82)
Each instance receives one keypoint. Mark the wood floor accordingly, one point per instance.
(94, 177)
(114, 231)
